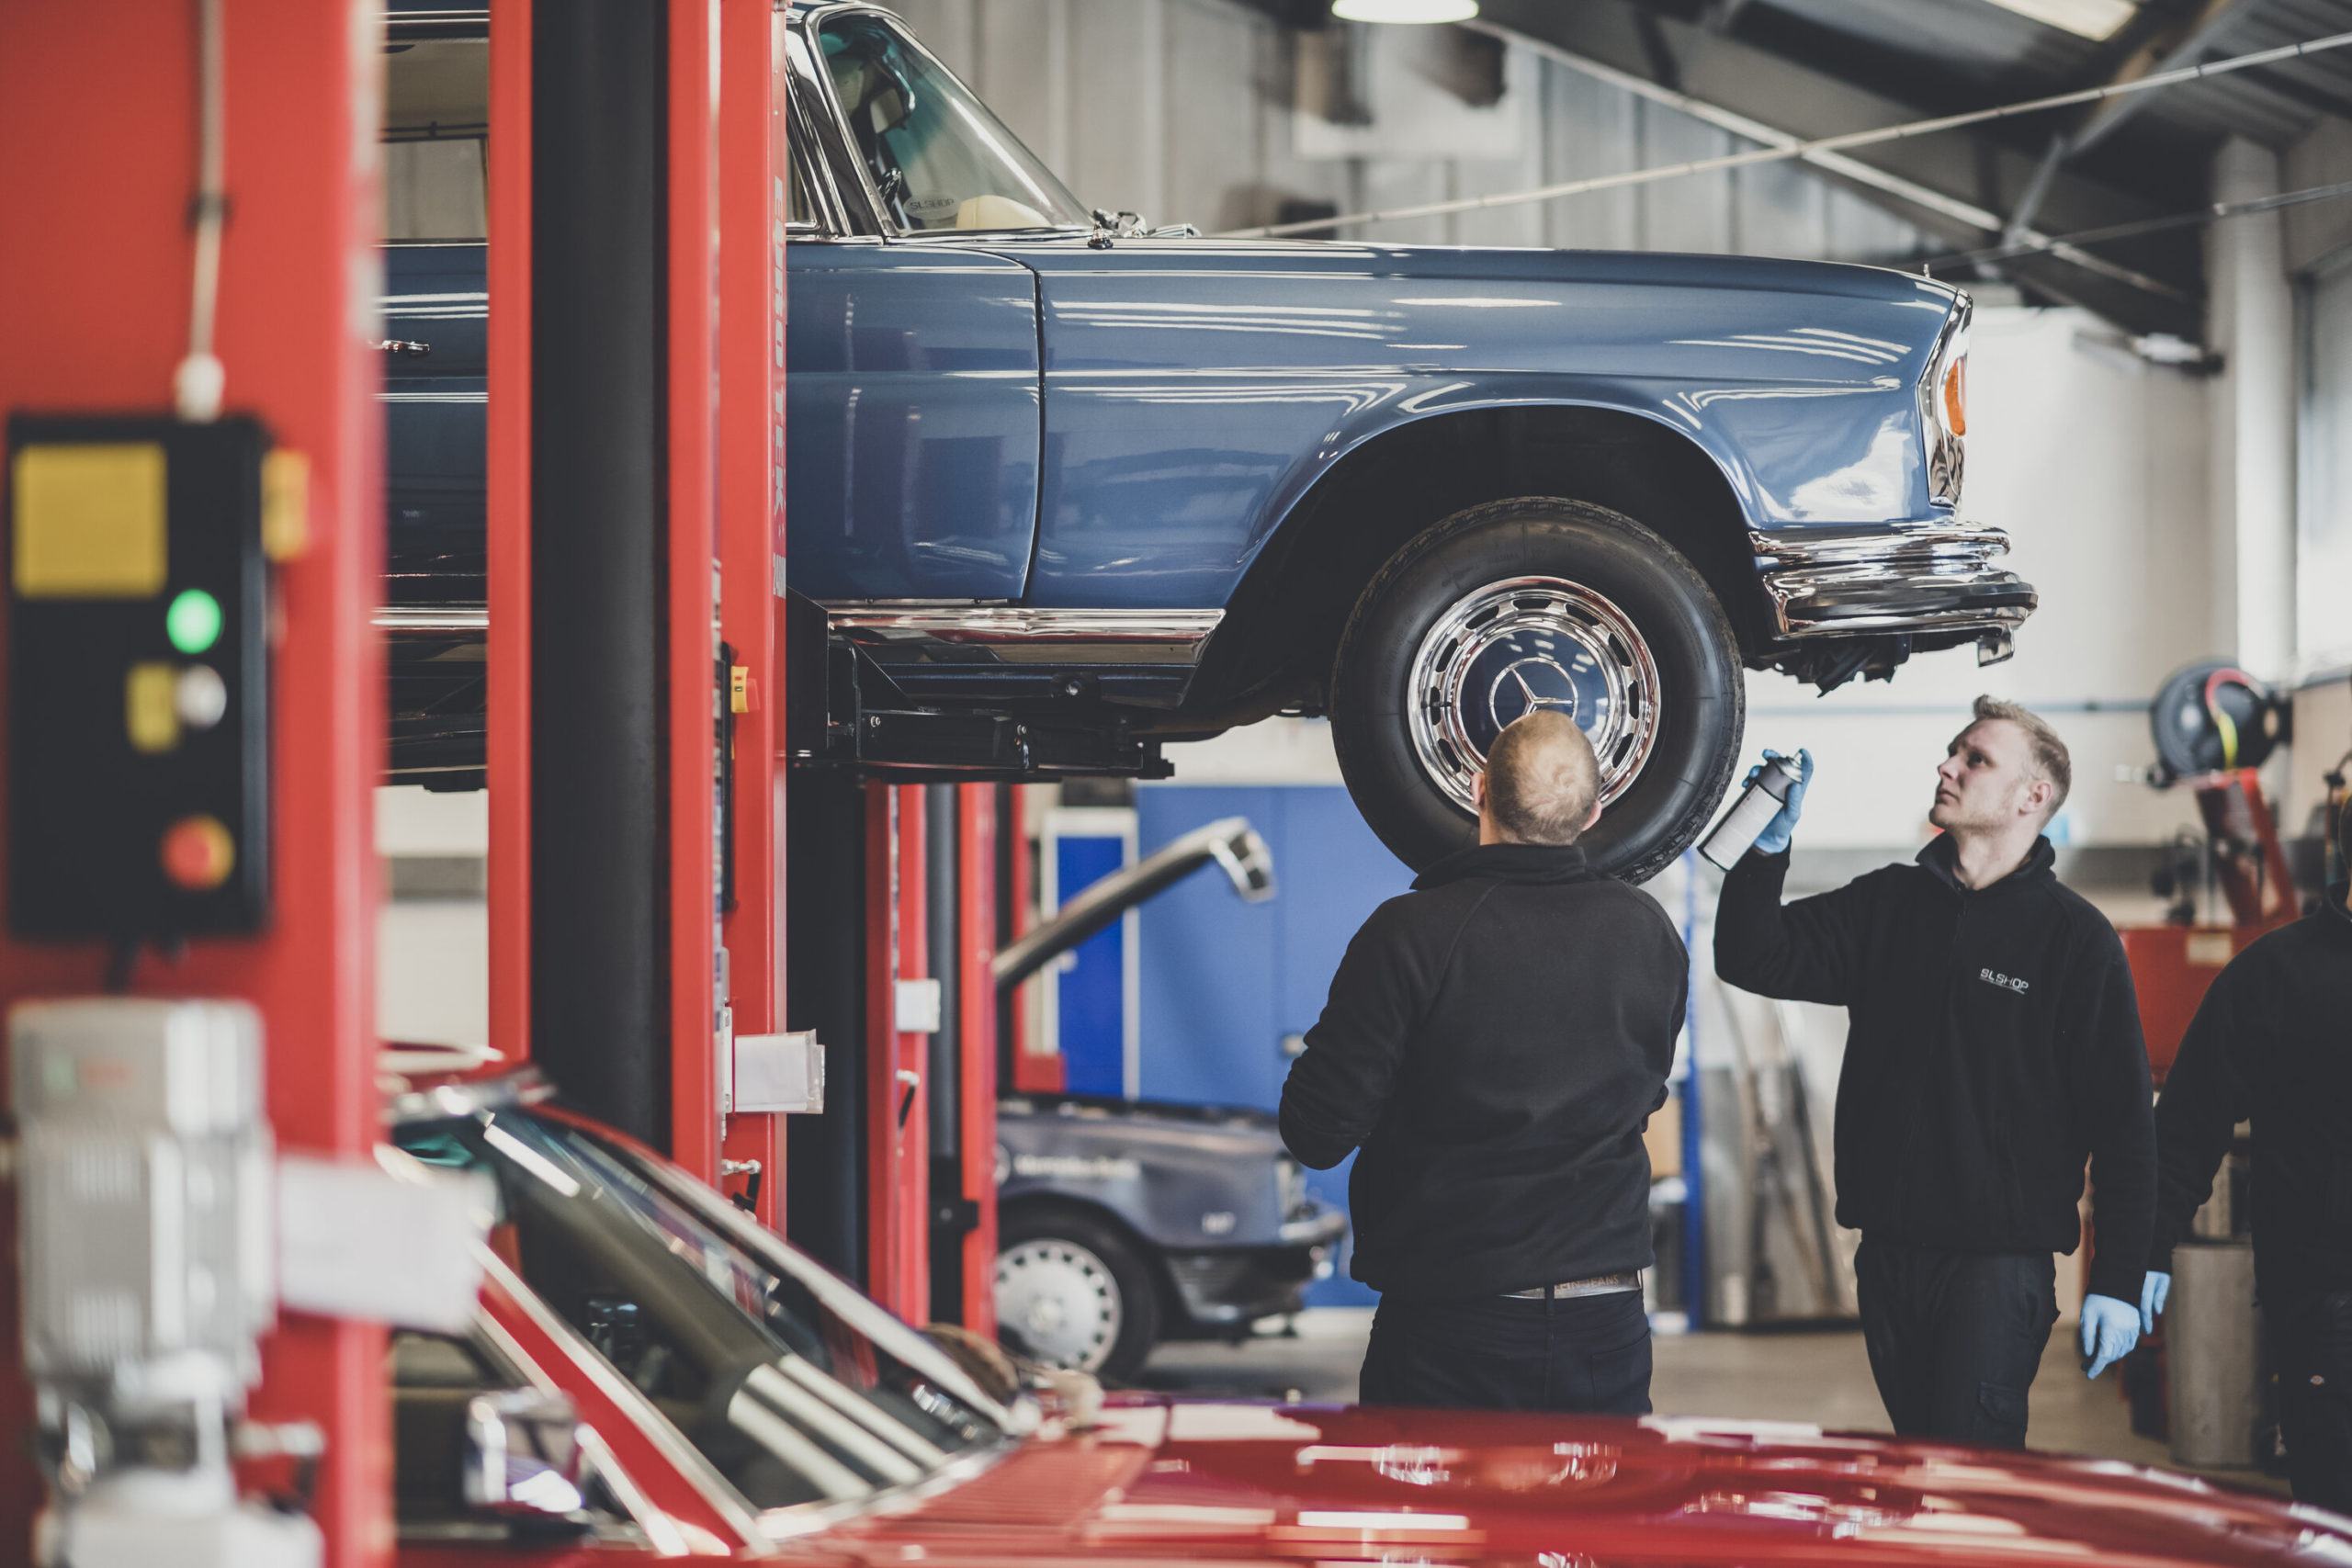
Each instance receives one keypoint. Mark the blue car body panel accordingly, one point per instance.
(1190, 393)
(1196, 390)
(912, 407)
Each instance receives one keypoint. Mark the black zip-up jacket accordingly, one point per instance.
(2272, 1043)
(1992, 1043)
(1494, 1041)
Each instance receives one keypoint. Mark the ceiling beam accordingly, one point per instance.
(1934, 183)
(2176, 47)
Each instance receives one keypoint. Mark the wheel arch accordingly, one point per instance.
(1283, 623)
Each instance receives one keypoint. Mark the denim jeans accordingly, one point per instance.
(1583, 1354)
(1955, 1338)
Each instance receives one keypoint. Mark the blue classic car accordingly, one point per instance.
(1063, 488)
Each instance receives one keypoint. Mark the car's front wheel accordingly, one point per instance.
(1533, 602)
(1073, 1292)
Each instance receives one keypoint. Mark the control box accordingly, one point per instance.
(138, 608)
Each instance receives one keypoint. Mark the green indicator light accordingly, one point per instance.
(193, 623)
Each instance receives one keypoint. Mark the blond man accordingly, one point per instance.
(1993, 1046)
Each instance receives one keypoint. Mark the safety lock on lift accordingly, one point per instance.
(138, 610)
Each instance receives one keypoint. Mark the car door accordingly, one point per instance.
(912, 398)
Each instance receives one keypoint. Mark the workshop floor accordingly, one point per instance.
(1821, 1378)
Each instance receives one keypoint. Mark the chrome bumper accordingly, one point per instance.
(1927, 576)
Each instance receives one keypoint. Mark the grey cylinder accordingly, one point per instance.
(2213, 1348)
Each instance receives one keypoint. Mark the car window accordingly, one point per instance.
(936, 156)
(791, 1398)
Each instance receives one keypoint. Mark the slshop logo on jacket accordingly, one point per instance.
(2007, 982)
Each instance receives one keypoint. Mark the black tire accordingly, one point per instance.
(1107, 1262)
(1583, 568)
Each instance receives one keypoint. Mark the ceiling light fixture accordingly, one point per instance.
(2084, 19)
(1418, 12)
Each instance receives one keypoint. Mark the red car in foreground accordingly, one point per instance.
(654, 1374)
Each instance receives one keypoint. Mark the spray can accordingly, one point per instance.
(1736, 833)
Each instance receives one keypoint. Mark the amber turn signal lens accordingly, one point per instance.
(1956, 396)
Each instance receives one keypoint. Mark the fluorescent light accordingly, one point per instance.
(2085, 19)
(1414, 11)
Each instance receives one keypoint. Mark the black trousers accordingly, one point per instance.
(1955, 1338)
(1584, 1354)
(2311, 1347)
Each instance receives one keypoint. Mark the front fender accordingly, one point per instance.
(1197, 393)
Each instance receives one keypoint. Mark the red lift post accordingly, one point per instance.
(750, 544)
(977, 829)
(507, 521)
(97, 106)
(694, 684)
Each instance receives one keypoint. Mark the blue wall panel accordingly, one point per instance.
(1090, 995)
(1223, 981)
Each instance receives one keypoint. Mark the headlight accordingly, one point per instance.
(1943, 406)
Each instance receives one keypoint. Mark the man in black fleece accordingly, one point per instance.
(2272, 1043)
(1994, 1043)
(1494, 1041)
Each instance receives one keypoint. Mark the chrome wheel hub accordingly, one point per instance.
(1524, 644)
(1062, 1300)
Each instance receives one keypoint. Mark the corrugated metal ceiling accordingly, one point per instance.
(1976, 50)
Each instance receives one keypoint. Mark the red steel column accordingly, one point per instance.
(898, 1129)
(508, 520)
(750, 528)
(693, 605)
(97, 109)
(976, 1038)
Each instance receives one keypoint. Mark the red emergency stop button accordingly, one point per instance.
(198, 853)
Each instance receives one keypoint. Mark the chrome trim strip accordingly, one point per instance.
(1925, 577)
(655, 1427)
(1018, 636)
(661, 1532)
(438, 620)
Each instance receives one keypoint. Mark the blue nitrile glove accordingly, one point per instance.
(2109, 1330)
(1784, 826)
(2152, 1292)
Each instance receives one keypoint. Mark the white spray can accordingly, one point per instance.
(1736, 833)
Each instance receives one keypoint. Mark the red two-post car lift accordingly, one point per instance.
(646, 882)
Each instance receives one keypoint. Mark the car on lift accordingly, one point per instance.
(1064, 488)
(1122, 1222)
(651, 1372)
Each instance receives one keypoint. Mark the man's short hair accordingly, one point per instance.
(1542, 779)
(2048, 752)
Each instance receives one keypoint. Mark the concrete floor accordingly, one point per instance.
(1822, 1378)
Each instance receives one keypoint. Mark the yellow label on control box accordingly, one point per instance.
(91, 521)
(150, 707)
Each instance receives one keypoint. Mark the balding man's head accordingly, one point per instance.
(1541, 780)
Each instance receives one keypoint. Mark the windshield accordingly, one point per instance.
(936, 156)
(795, 1387)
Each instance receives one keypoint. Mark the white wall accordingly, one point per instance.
(2093, 460)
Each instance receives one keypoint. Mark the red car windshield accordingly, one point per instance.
(796, 1388)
